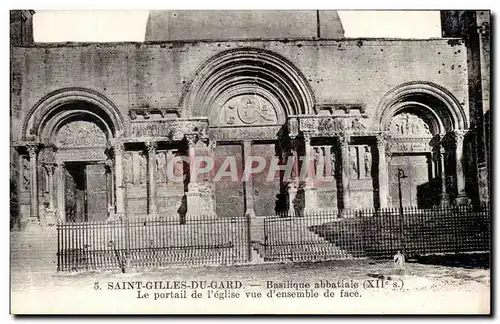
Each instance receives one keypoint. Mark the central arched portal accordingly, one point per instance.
(247, 95)
(245, 127)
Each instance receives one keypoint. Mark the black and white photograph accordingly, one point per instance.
(250, 162)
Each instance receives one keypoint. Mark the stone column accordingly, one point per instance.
(111, 183)
(383, 189)
(462, 199)
(307, 174)
(33, 151)
(444, 197)
(292, 183)
(60, 192)
(344, 156)
(247, 183)
(120, 196)
(193, 193)
(50, 213)
(152, 190)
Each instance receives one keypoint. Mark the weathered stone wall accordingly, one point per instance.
(165, 25)
(156, 75)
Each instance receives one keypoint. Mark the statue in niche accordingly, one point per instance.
(368, 162)
(127, 168)
(26, 174)
(316, 159)
(143, 168)
(333, 162)
(161, 168)
(353, 163)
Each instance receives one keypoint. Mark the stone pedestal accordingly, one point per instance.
(310, 196)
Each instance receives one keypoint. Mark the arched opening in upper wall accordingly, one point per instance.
(255, 71)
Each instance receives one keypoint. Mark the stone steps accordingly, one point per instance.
(34, 250)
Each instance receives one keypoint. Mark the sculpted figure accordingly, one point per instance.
(353, 163)
(368, 162)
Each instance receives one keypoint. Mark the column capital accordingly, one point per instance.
(118, 147)
(307, 134)
(151, 145)
(50, 167)
(191, 138)
(33, 148)
(457, 136)
(381, 140)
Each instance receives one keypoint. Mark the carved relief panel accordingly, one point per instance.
(360, 162)
(80, 133)
(409, 125)
(127, 168)
(324, 161)
(247, 110)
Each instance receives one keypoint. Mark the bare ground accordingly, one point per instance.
(423, 288)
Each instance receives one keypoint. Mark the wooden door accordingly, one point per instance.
(96, 191)
(265, 190)
(416, 170)
(229, 193)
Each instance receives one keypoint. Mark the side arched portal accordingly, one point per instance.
(424, 125)
(69, 135)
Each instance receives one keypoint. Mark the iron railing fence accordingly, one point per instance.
(152, 243)
(313, 236)
(376, 233)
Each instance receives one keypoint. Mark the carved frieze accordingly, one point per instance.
(81, 154)
(172, 129)
(409, 147)
(81, 133)
(327, 125)
(263, 132)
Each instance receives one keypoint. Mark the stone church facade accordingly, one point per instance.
(96, 127)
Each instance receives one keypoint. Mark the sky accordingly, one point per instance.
(130, 25)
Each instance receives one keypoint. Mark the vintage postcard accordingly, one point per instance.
(250, 162)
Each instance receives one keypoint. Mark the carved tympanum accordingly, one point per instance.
(81, 133)
(407, 124)
(248, 110)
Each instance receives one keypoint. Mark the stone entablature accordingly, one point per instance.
(326, 126)
(171, 129)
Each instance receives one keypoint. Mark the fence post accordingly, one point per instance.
(127, 244)
(248, 222)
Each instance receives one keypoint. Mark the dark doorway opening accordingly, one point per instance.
(86, 192)
(75, 193)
